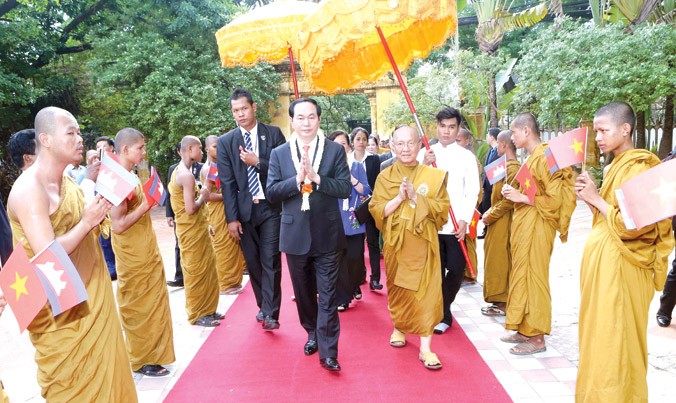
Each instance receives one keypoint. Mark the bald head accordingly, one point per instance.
(527, 120)
(465, 139)
(46, 120)
(405, 130)
(210, 140)
(189, 141)
(619, 112)
(505, 137)
(127, 137)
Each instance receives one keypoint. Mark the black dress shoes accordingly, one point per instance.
(330, 363)
(375, 285)
(260, 316)
(310, 347)
(175, 283)
(663, 321)
(270, 323)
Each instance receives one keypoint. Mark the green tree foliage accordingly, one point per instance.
(568, 73)
(340, 111)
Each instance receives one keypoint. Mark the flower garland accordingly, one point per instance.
(306, 187)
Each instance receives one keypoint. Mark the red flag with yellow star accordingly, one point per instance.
(569, 148)
(649, 197)
(22, 288)
(525, 179)
(473, 224)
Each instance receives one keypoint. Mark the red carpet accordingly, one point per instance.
(240, 362)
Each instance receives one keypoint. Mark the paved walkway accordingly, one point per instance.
(546, 377)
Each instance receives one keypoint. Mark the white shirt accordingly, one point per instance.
(463, 181)
(253, 135)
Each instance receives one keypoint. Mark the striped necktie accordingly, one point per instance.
(252, 177)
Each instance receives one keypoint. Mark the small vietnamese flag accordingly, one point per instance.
(496, 170)
(472, 225)
(153, 188)
(22, 288)
(525, 179)
(569, 148)
(551, 162)
(649, 197)
(61, 280)
(114, 182)
(213, 175)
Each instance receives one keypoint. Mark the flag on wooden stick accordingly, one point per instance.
(525, 179)
(496, 170)
(473, 224)
(114, 182)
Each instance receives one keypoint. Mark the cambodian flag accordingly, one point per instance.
(213, 175)
(153, 188)
(496, 170)
(114, 182)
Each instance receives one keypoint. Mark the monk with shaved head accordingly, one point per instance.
(229, 258)
(80, 353)
(192, 229)
(621, 268)
(141, 293)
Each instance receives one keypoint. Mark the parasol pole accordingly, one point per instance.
(402, 85)
(293, 73)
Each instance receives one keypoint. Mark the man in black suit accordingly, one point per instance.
(308, 175)
(491, 155)
(243, 155)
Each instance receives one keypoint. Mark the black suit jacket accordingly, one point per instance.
(196, 168)
(372, 164)
(237, 199)
(320, 229)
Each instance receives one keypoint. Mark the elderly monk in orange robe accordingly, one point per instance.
(229, 258)
(80, 353)
(529, 303)
(410, 205)
(497, 248)
(197, 253)
(621, 268)
(141, 291)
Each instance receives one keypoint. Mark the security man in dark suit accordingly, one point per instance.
(252, 218)
(308, 175)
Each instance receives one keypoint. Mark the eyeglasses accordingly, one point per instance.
(402, 145)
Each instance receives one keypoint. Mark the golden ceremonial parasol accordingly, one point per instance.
(344, 43)
(265, 34)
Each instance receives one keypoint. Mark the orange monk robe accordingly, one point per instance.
(497, 254)
(197, 256)
(469, 242)
(229, 258)
(619, 274)
(529, 303)
(411, 245)
(142, 292)
(3, 396)
(80, 353)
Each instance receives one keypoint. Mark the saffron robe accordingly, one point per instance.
(80, 353)
(197, 256)
(411, 245)
(497, 248)
(469, 242)
(142, 292)
(229, 258)
(619, 274)
(529, 303)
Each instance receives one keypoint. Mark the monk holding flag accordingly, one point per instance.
(141, 291)
(534, 226)
(197, 253)
(229, 259)
(80, 354)
(497, 246)
(620, 271)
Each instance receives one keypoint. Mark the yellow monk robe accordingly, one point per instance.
(619, 274)
(3, 396)
(411, 245)
(529, 303)
(497, 249)
(197, 256)
(142, 292)
(229, 258)
(80, 353)
(469, 242)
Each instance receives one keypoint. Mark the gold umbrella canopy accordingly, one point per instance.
(263, 34)
(340, 47)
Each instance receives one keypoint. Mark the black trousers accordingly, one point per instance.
(351, 268)
(452, 271)
(373, 242)
(312, 275)
(177, 253)
(668, 298)
(260, 246)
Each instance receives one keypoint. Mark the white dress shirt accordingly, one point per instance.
(463, 181)
(253, 134)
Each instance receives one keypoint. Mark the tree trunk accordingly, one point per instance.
(493, 97)
(667, 128)
(640, 129)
